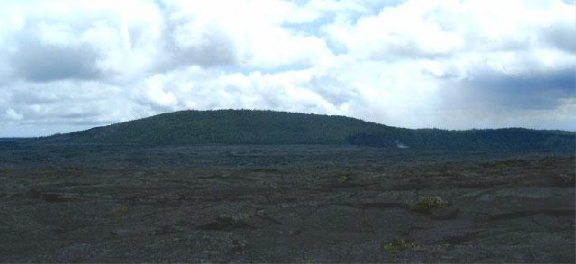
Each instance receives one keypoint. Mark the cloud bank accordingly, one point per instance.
(72, 65)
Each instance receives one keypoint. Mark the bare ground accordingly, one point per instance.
(282, 204)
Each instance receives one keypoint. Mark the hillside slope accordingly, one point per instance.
(268, 127)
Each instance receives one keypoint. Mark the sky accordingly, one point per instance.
(72, 65)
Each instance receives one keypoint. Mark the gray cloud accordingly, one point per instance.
(406, 50)
(332, 90)
(22, 96)
(214, 47)
(496, 90)
(38, 62)
(70, 104)
(561, 36)
(79, 115)
(216, 51)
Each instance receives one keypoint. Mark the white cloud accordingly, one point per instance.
(403, 31)
(69, 65)
(13, 115)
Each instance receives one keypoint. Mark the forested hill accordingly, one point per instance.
(269, 127)
(230, 127)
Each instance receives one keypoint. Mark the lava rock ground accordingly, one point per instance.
(282, 204)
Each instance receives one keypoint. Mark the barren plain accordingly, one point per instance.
(292, 203)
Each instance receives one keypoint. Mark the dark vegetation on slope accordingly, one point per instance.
(269, 127)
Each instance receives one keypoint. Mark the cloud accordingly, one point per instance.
(69, 65)
(427, 28)
(497, 91)
(561, 36)
(39, 62)
(332, 90)
(193, 42)
(407, 30)
(13, 115)
(74, 104)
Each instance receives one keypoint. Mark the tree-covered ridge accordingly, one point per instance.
(269, 127)
(231, 127)
(486, 139)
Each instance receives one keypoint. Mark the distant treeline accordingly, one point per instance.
(489, 139)
(269, 127)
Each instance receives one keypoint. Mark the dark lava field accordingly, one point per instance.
(296, 203)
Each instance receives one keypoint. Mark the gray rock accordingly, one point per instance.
(444, 213)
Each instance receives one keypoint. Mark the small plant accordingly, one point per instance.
(120, 210)
(427, 203)
(343, 179)
(276, 187)
(272, 190)
(401, 245)
(569, 180)
(500, 165)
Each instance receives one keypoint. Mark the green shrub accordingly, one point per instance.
(120, 210)
(276, 187)
(569, 180)
(401, 245)
(426, 204)
(343, 179)
(500, 165)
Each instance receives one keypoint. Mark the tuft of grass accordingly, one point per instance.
(426, 204)
(120, 210)
(401, 245)
(276, 187)
(343, 179)
(273, 190)
(569, 180)
(501, 165)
